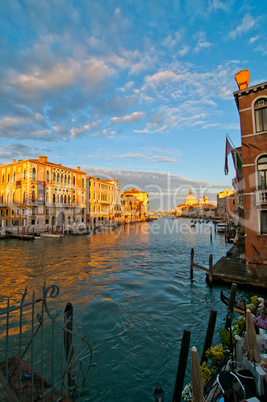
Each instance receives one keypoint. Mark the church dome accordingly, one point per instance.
(201, 200)
(190, 199)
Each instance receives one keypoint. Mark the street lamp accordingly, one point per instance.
(158, 393)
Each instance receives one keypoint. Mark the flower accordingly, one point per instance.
(187, 393)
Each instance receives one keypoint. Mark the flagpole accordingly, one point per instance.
(233, 145)
(230, 141)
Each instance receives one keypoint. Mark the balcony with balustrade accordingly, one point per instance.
(261, 197)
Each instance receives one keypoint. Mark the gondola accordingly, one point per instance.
(238, 307)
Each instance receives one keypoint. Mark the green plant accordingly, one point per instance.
(205, 372)
(215, 354)
(225, 337)
(254, 300)
(240, 323)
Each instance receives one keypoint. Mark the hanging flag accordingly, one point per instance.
(228, 149)
(238, 161)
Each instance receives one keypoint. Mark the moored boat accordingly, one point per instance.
(221, 227)
(54, 235)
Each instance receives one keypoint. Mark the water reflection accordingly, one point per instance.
(131, 290)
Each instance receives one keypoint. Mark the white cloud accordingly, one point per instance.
(254, 39)
(131, 118)
(247, 23)
(78, 131)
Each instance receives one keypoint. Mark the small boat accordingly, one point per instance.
(239, 306)
(55, 235)
(221, 227)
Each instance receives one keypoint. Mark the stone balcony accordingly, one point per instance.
(261, 197)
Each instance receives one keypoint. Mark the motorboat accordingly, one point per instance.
(221, 226)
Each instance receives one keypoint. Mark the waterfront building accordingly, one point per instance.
(101, 199)
(129, 207)
(225, 204)
(251, 104)
(142, 197)
(36, 194)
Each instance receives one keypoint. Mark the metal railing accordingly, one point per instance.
(46, 352)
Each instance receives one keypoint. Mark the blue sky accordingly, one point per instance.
(139, 90)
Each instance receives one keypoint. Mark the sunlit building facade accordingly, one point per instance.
(35, 193)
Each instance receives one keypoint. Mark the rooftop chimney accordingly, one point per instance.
(78, 168)
(242, 79)
(14, 160)
(42, 158)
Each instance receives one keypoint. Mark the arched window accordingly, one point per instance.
(54, 176)
(61, 178)
(68, 199)
(61, 199)
(24, 174)
(13, 198)
(58, 177)
(14, 176)
(262, 172)
(82, 182)
(3, 178)
(33, 174)
(8, 177)
(7, 198)
(47, 176)
(54, 199)
(260, 108)
(65, 179)
(73, 181)
(65, 199)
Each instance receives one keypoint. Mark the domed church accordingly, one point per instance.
(190, 199)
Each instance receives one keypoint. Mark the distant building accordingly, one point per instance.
(100, 199)
(194, 207)
(225, 204)
(140, 196)
(252, 185)
(35, 193)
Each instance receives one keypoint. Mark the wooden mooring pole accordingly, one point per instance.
(179, 383)
(210, 270)
(209, 334)
(69, 351)
(192, 263)
(230, 305)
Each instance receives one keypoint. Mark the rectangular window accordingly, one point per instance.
(263, 222)
(47, 211)
(12, 212)
(261, 119)
(33, 222)
(33, 211)
(17, 212)
(23, 212)
(47, 221)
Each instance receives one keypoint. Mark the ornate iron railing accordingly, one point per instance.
(42, 349)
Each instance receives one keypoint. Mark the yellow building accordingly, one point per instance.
(101, 199)
(35, 193)
(194, 207)
(141, 196)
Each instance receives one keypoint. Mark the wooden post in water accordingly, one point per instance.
(69, 352)
(209, 334)
(18, 232)
(192, 263)
(230, 305)
(179, 383)
(27, 232)
(210, 270)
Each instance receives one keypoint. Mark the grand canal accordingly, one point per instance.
(131, 290)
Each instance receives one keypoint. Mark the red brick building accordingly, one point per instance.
(252, 107)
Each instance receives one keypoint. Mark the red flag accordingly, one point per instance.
(228, 149)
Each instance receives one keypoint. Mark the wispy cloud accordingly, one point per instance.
(131, 118)
(78, 131)
(246, 25)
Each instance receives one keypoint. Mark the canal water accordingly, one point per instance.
(131, 290)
